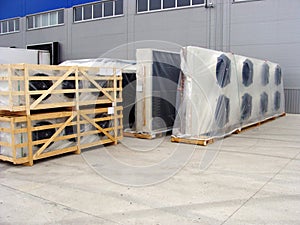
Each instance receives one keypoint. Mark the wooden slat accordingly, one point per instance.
(202, 142)
(96, 85)
(97, 126)
(56, 152)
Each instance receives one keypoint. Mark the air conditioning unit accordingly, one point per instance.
(157, 80)
(207, 95)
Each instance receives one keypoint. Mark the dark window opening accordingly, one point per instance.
(142, 5)
(4, 27)
(78, 14)
(60, 17)
(118, 7)
(155, 4)
(197, 2)
(97, 10)
(168, 4)
(181, 3)
(17, 24)
(30, 22)
(108, 8)
(11, 26)
(87, 12)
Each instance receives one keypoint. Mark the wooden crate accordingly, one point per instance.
(24, 139)
(64, 86)
(93, 91)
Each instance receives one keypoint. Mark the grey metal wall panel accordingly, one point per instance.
(267, 29)
(292, 100)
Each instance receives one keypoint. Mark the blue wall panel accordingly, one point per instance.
(36, 6)
(20, 8)
(10, 9)
(78, 2)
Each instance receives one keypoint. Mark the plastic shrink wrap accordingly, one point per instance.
(220, 93)
(126, 68)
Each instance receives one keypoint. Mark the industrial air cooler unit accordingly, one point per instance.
(207, 101)
(220, 93)
(157, 80)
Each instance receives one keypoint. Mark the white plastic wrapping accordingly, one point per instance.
(222, 92)
(6, 87)
(18, 55)
(128, 70)
(19, 138)
(106, 64)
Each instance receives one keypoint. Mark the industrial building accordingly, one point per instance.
(214, 73)
(74, 29)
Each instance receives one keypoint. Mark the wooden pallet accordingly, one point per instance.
(209, 140)
(148, 136)
(201, 141)
(259, 123)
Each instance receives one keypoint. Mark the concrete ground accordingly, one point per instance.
(249, 178)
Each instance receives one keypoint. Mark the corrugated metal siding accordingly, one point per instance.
(292, 100)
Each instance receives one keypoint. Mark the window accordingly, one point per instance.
(118, 7)
(151, 5)
(142, 5)
(87, 12)
(169, 4)
(48, 19)
(155, 4)
(181, 3)
(9, 26)
(98, 10)
(108, 8)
